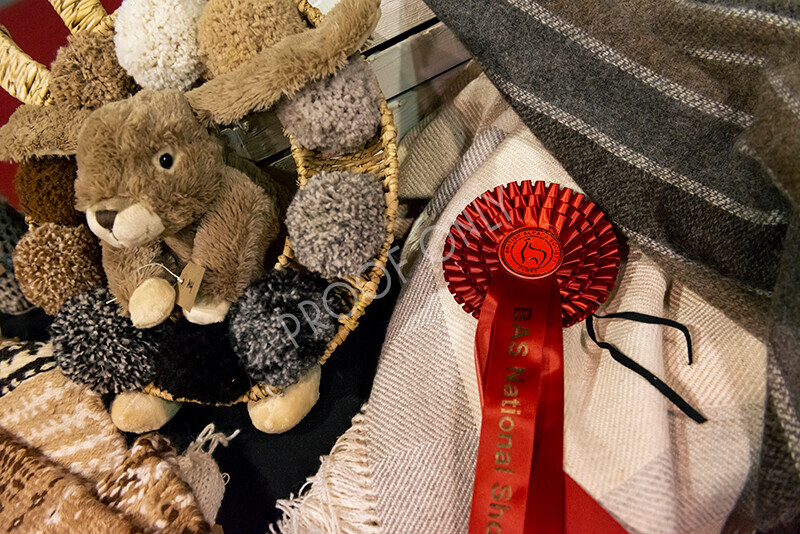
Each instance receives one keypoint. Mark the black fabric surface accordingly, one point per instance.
(263, 467)
(31, 326)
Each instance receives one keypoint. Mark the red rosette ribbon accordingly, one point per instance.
(527, 259)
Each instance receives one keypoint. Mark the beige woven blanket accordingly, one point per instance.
(407, 463)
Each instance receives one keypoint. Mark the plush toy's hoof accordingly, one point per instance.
(151, 302)
(208, 312)
(139, 412)
(274, 415)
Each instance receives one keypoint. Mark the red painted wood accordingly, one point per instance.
(38, 30)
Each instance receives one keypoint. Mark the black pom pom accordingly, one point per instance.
(165, 160)
(97, 347)
(197, 362)
(281, 326)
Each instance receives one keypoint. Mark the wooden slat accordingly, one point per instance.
(397, 16)
(417, 59)
(258, 136)
(261, 137)
(399, 68)
(411, 106)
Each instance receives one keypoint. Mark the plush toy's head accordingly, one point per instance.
(146, 167)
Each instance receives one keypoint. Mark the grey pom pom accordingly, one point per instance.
(336, 223)
(337, 114)
(97, 347)
(281, 327)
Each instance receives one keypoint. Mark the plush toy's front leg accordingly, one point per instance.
(230, 243)
(274, 415)
(139, 412)
(138, 280)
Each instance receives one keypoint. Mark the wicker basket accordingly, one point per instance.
(379, 158)
(83, 15)
(26, 79)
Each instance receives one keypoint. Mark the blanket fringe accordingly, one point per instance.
(339, 498)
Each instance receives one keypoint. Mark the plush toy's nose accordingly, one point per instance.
(105, 218)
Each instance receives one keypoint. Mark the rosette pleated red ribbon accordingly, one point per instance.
(528, 259)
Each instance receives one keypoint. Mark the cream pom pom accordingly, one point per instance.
(156, 42)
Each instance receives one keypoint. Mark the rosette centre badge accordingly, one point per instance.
(531, 253)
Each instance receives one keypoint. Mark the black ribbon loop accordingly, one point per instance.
(656, 382)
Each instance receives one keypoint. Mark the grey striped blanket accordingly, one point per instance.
(681, 119)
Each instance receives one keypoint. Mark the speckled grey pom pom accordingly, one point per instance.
(337, 114)
(281, 326)
(337, 222)
(97, 347)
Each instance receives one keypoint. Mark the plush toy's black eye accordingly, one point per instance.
(165, 160)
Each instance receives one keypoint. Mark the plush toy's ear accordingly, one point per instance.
(35, 131)
(283, 69)
(37, 128)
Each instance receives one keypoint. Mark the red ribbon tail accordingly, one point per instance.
(483, 337)
(519, 360)
(546, 503)
(582, 514)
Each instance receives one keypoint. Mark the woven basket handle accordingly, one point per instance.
(27, 80)
(23, 78)
(83, 15)
(310, 13)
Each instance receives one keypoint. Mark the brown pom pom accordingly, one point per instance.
(86, 74)
(46, 189)
(54, 263)
(232, 31)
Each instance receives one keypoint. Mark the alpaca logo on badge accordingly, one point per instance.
(531, 253)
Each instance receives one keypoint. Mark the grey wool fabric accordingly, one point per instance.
(281, 326)
(337, 114)
(336, 222)
(97, 347)
(681, 120)
(12, 227)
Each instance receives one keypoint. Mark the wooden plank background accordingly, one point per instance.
(413, 56)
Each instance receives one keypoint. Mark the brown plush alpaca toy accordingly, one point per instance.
(157, 191)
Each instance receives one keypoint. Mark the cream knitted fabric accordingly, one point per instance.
(644, 461)
(201, 472)
(21, 360)
(39, 496)
(140, 495)
(147, 489)
(68, 423)
(70, 427)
